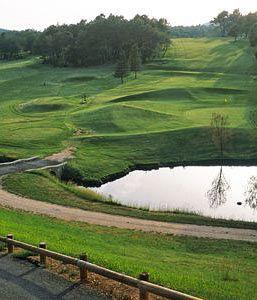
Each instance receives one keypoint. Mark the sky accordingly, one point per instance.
(23, 14)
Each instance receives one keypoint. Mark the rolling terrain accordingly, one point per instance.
(160, 119)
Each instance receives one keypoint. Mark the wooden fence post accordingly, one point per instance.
(42, 245)
(9, 246)
(143, 294)
(83, 270)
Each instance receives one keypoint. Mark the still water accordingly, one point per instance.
(220, 192)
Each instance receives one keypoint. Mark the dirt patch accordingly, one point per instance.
(63, 155)
(108, 287)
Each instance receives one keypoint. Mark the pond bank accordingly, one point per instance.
(47, 188)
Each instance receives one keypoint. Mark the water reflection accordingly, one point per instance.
(217, 195)
(251, 193)
(211, 191)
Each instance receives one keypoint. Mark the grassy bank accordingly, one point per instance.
(206, 268)
(44, 187)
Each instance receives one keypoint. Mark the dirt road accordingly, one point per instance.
(75, 214)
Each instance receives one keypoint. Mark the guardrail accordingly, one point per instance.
(145, 287)
(13, 163)
(49, 167)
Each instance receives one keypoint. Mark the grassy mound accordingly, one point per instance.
(160, 95)
(123, 119)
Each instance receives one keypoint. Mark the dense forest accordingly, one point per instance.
(103, 40)
(118, 40)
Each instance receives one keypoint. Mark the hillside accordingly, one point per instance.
(159, 119)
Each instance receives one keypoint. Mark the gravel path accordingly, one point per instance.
(75, 214)
(33, 163)
(22, 280)
(21, 166)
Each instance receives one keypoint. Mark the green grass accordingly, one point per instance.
(160, 119)
(49, 189)
(205, 268)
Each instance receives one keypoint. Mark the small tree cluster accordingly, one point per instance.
(128, 63)
(14, 44)
(235, 24)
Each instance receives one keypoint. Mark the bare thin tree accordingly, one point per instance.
(251, 193)
(217, 195)
(219, 129)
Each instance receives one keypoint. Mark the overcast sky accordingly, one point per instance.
(21, 14)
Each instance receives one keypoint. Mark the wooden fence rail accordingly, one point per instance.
(142, 283)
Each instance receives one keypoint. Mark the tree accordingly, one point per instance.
(217, 194)
(247, 22)
(253, 35)
(122, 67)
(253, 38)
(251, 193)
(235, 24)
(234, 31)
(219, 130)
(222, 20)
(135, 60)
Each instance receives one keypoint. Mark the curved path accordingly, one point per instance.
(28, 164)
(75, 214)
(54, 161)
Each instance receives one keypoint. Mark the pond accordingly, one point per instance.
(219, 192)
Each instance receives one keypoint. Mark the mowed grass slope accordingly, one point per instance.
(205, 268)
(160, 119)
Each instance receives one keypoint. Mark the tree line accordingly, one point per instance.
(196, 31)
(114, 39)
(103, 40)
(233, 24)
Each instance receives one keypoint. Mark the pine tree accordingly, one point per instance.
(122, 67)
(135, 60)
